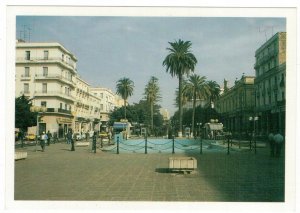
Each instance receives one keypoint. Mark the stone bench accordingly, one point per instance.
(185, 164)
(20, 155)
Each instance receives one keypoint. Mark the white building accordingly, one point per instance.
(87, 108)
(47, 74)
(107, 103)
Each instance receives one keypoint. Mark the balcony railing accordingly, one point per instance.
(55, 94)
(55, 77)
(70, 64)
(59, 110)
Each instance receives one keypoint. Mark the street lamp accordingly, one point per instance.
(254, 118)
(39, 111)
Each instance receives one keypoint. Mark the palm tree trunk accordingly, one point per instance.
(180, 105)
(193, 116)
(151, 105)
(125, 107)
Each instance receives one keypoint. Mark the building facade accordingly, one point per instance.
(270, 71)
(107, 103)
(47, 74)
(236, 105)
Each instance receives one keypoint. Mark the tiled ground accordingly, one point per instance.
(59, 174)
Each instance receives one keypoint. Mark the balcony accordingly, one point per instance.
(57, 94)
(25, 77)
(60, 78)
(58, 110)
(68, 64)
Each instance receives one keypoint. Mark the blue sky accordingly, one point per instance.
(109, 48)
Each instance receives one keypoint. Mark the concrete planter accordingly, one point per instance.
(182, 163)
(82, 143)
(20, 155)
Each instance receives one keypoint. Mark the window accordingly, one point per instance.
(44, 90)
(70, 108)
(45, 71)
(62, 57)
(26, 88)
(101, 106)
(46, 54)
(60, 105)
(101, 95)
(43, 104)
(66, 106)
(27, 72)
(27, 55)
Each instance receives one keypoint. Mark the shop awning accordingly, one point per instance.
(120, 125)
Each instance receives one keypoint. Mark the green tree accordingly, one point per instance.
(214, 89)
(23, 116)
(179, 62)
(196, 88)
(125, 89)
(152, 95)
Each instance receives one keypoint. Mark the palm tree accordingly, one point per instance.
(125, 89)
(196, 88)
(179, 62)
(214, 89)
(152, 95)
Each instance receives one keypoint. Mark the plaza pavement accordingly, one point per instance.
(59, 174)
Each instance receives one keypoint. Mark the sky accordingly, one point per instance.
(110, 48)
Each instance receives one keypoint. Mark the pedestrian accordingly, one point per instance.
(72, 142)
(21, 136)
(278, 140)
(94, 142)
(272, 144)
(44, 141)
(69, 136)
(49, 135)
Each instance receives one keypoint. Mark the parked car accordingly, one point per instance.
(30, 137)
(103, 135)
(77, 136)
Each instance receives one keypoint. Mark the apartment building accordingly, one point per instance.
(236, 105)
(107, 103)
(270, 71)
(47, 74)
(87, 108)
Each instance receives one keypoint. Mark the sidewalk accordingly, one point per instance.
(60, 174)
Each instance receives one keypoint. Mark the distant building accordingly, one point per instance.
(236, 105)
(270, 71)
(107, 103)
(165, 114)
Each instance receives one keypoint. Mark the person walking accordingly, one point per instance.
(272, 144)
(72, 142)
(278, 140)
(49, 135)
(69, 136)
(43, 141)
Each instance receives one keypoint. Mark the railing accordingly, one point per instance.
(55, 76)
(54, 93)
(59, 110)
(49, 59)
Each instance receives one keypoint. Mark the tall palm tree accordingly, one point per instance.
(152, 95)
(214, 89)
(125, 89)
(179, 62)
(196, 88)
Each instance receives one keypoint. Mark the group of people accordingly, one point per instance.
(276, 144)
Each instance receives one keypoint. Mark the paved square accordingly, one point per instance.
(59, 174)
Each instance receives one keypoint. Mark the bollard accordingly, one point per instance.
(173, 150)
(146, 145)
(200, 145)
(228, 146)
(118, 145)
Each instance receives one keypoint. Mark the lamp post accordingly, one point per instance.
(254, 118)
(39, 111)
